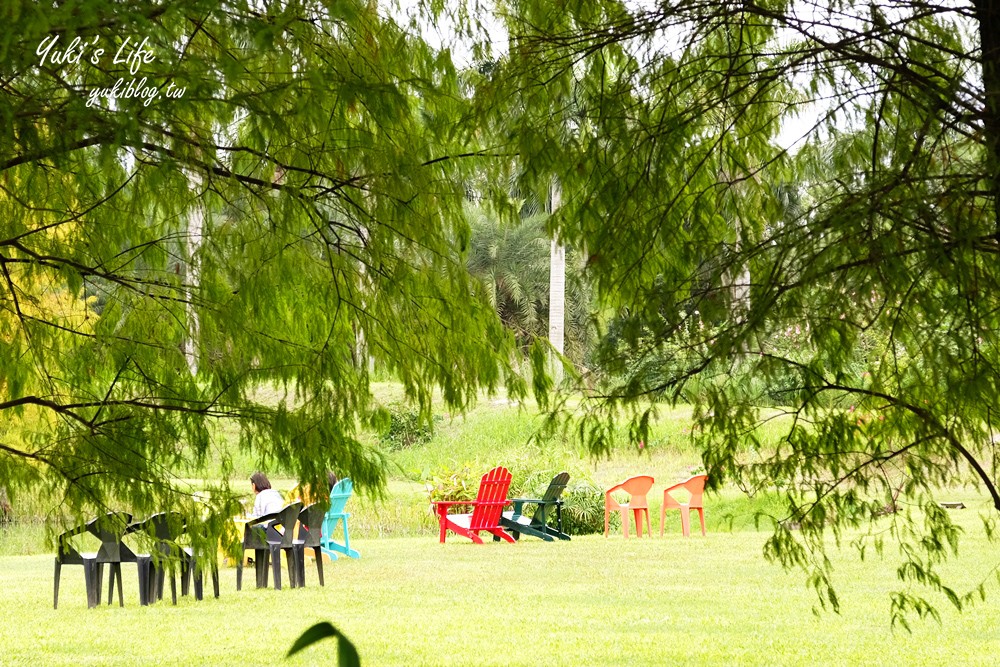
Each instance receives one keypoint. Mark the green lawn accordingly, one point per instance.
(592, 601)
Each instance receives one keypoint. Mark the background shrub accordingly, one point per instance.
(406, 429)
(583, 508)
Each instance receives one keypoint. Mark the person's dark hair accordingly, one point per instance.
(332, 479)
(260, 481)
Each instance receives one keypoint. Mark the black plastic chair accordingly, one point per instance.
(109, 530)
(310, 537)
(193, 568)
(164, 529)
(268, 536)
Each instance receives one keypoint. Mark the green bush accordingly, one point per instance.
(450, 484)
(583, 508)
(406, 429)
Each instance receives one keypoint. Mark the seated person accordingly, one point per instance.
(268, 500)
(304, 492)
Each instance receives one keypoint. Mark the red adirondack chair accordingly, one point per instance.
(486, 509)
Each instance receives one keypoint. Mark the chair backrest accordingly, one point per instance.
(696, 487)
(287, 517)
(556, 487)
(636, 487)
(311, 524)
(491, 499)
(164, 527)
(109, 530)
(339, 495)
(65, 551)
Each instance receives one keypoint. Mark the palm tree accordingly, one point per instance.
(513, 261)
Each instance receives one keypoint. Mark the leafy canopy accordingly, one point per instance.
(855, 278)
(293, 214)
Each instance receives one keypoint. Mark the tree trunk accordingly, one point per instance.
(557, 288)
(192, 274)
(988, 15)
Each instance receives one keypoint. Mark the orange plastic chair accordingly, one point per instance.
(636, 488)
(695, 486)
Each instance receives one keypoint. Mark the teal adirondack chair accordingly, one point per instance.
(338, 500)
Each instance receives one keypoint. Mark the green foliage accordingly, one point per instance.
(852, 280)
(583, 508)
(512, 260)
(406, 429)
(291, 220)
(452, 484)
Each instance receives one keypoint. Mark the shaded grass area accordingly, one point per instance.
(412, 601)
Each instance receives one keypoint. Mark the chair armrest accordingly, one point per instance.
(679, 485)
(255, 521)
(519, 503)
(445, 504)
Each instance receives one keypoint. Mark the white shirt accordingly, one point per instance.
(268, 501)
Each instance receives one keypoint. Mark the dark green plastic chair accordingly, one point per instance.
(537, 525)
(161, 531)
(262, 535)
(310, 537)
(108, 530)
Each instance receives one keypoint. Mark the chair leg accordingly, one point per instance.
(685, 522)
(198, 580)
(299, 561)
(347, 542)
(98, 582)
(701, 516)
(142, 569)
(215, 579)
(263, 564)
(187, 572)
(55, 587)
(607, 521)
(111, 584)
(158, 581)
(293, 568)
(92, 580)
(276, 568)
(239, 575)
(624, 513)
(319, 564)
(121, 594)
(649, 529)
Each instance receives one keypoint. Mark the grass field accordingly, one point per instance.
(592, 601)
